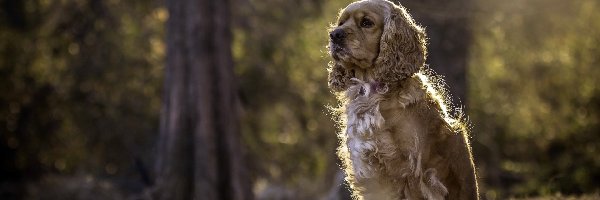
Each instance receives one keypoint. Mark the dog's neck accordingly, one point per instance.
(367, 75)
(363, 74)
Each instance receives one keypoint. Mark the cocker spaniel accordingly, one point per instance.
(398, 138)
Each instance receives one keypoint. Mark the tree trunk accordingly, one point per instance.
(200, 154)
(447, 26)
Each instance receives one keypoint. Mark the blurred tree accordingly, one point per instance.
(200, 154)
(447, 24)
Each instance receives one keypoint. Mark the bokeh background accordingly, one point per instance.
(81, 86)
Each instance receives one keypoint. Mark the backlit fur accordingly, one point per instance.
(398, 138)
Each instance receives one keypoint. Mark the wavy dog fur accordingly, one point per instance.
(399, 139)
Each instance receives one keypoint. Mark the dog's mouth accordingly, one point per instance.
(337, 51)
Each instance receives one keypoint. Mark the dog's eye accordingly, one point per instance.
(366, 23)
(340, 23)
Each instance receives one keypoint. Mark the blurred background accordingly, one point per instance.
(83, 82)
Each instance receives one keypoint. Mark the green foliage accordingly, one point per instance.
(80, 82)
(535, 95)
(281, 60)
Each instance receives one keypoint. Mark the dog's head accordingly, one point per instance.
(375, 35)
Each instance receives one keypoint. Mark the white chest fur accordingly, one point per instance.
(363, 121)
(370, 145)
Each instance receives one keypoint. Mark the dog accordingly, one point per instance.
(399, 139)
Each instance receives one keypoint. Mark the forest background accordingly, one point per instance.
(83, 83)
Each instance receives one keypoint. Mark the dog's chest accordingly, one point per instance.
(372, 140)
(387, 143)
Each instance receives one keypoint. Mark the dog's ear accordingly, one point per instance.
(402, 48)
(339, 77)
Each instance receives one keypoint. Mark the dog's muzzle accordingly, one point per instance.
(337, 38)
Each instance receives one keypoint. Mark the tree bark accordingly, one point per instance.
(200, 154)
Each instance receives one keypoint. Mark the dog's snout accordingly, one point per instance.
(337, 35)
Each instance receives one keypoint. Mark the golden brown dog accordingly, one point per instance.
(399, 140)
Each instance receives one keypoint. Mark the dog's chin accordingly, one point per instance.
(338, 52)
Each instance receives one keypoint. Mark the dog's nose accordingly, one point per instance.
(337, 35)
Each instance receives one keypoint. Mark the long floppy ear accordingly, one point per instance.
(402, 48)
(339, 77)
